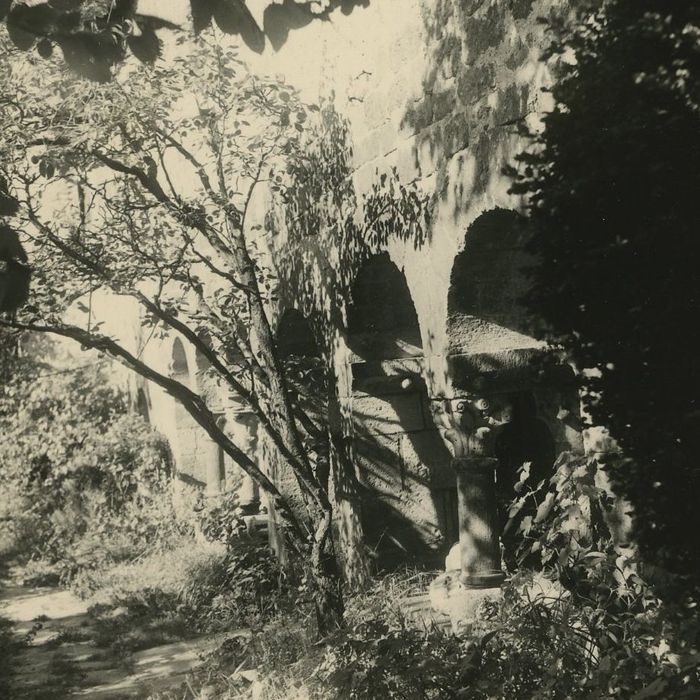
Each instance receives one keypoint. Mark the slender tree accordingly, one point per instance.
(145, 187)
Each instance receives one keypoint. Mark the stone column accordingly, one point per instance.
(214, 469)
(244, 431)
(479, 548)
(469, 434)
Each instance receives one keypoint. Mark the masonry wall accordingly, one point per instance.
(420, 102)
(429, 95)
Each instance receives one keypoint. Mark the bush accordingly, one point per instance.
(586, 624)
(89, 483)
(245, 588)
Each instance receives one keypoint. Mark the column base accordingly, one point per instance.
(489, 579)
(461, 603)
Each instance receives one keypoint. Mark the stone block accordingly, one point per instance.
(418, 612)
(398, 413)
(425, 457)
(444, 101)
(376, 107)
(378, 462)
(476, 82)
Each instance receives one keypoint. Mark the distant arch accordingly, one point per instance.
(179, 363)
(382, 319)
(143, 405)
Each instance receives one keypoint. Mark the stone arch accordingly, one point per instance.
(179, 363)
(382, 319)
(488, 282)
(409, 503)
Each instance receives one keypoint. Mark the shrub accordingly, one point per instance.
(244, 588)
(89, 482)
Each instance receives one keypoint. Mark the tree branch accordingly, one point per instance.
(192, 402)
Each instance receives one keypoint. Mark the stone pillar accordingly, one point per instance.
(470, 435)
(244, 429)
(214, 469)
(479, 548)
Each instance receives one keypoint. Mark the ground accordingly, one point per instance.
(63, 660)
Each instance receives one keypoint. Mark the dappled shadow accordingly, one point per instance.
(408, 501)
(476, 92)
(281, 18)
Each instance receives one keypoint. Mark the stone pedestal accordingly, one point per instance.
(249, 495)
(461, 603)
(480, 553)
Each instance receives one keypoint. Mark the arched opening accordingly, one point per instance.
(143, 406)
(382, 320)
(295, 336)
(409, 503)
(487, 286)
(494, 355)
(180, 366)
(524, 443)
(307, 381)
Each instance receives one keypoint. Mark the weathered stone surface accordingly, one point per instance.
(461, 604)
(387, 415)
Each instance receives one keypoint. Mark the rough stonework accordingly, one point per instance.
(401, 262)
(424, 305)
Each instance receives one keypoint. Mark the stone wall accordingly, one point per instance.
(425, 96)
(421, 101)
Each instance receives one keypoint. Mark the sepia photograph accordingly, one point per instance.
(349, 350)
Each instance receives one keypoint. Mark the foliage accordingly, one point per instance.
(243, 589)
(623, 635)
(161, 177)
(87, 482)
(612, 182)
(96, 36)
(222, 520)
(321, 196)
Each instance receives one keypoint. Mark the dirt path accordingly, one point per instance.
(62, 660)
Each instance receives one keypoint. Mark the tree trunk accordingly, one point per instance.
(328, 593)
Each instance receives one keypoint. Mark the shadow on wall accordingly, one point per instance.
(474, 98)
(329, 231)
(408, 501)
